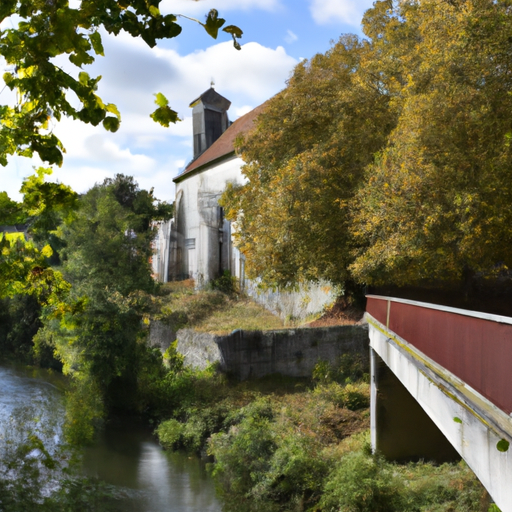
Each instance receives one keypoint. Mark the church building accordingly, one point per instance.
(197, 243)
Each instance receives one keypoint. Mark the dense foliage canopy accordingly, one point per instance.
(96, 328)
(388, 158)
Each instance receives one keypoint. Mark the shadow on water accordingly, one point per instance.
(153, 479)
(126, 454)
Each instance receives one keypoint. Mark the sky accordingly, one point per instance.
(277, 35)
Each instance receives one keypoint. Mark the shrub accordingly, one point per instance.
(170, 434)
(349, 368)
(296, 473)
(242, 455)
(226, 283)
(444, 488)
(362, 483)
(351, 396)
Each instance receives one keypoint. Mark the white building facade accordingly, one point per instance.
(197, 243)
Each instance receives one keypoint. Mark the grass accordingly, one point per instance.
(180, 306)
(240, 313)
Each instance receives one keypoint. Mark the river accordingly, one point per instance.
(125, 455)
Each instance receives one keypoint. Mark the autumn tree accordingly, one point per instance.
(387, 159)
(435, 204)
(305, 159)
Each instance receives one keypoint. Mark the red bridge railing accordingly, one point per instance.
(476, 347)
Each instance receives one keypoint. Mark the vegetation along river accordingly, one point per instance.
(125, 455)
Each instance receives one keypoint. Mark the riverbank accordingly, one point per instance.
(123, 470)
(280, 444)
(293, 445)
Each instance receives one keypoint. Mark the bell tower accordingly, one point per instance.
(209, 119)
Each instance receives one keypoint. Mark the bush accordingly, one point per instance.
(170, 434)
(349, 368)
(444, 488)
(242, 455)
(362, 483)
(351, 396)
(296, 473)
(226, 283)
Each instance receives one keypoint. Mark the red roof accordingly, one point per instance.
(224, 145)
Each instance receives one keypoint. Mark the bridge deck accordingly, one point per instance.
(476, 347)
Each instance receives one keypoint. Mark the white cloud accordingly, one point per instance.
(83, 177)
(326, 12)
(131, 74)
(290, 37)
(255, 73)
(201, 7)
(241, 111)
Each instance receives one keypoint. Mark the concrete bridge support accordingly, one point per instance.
(401, 430)
(419, 408)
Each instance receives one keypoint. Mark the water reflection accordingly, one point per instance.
(126, 455)
(24, 386)
(153, 480)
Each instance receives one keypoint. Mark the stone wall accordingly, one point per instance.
(161, 335)
(253, 354)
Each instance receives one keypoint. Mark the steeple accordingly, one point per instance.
(209, 118)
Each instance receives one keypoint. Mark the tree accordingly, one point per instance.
(106, 259)
(387, 160)
(25, 265)
(435, 203)
(97, 329)
(305, 159)
(49, 29)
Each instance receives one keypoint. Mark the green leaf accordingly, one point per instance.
(80, 58)
(83, 77)
(457, 420)
(213, 23)
(161, 100)
(111, 124)
(234, 30)
(95, 39)
(235, 33)
(165, 116)
(110, 107)
(8, 78)
(48, 149)
(154, 11)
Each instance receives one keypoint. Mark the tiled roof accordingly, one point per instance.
(224, 145)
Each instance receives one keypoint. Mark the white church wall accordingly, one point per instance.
(204, 228)
(161, 251)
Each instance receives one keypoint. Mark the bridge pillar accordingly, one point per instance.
(400, 429)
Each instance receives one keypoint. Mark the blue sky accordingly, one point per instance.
(277, 34)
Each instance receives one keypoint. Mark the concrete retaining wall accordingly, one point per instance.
(253, 354)
(310, 299)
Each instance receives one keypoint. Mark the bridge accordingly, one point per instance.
(441, 387)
